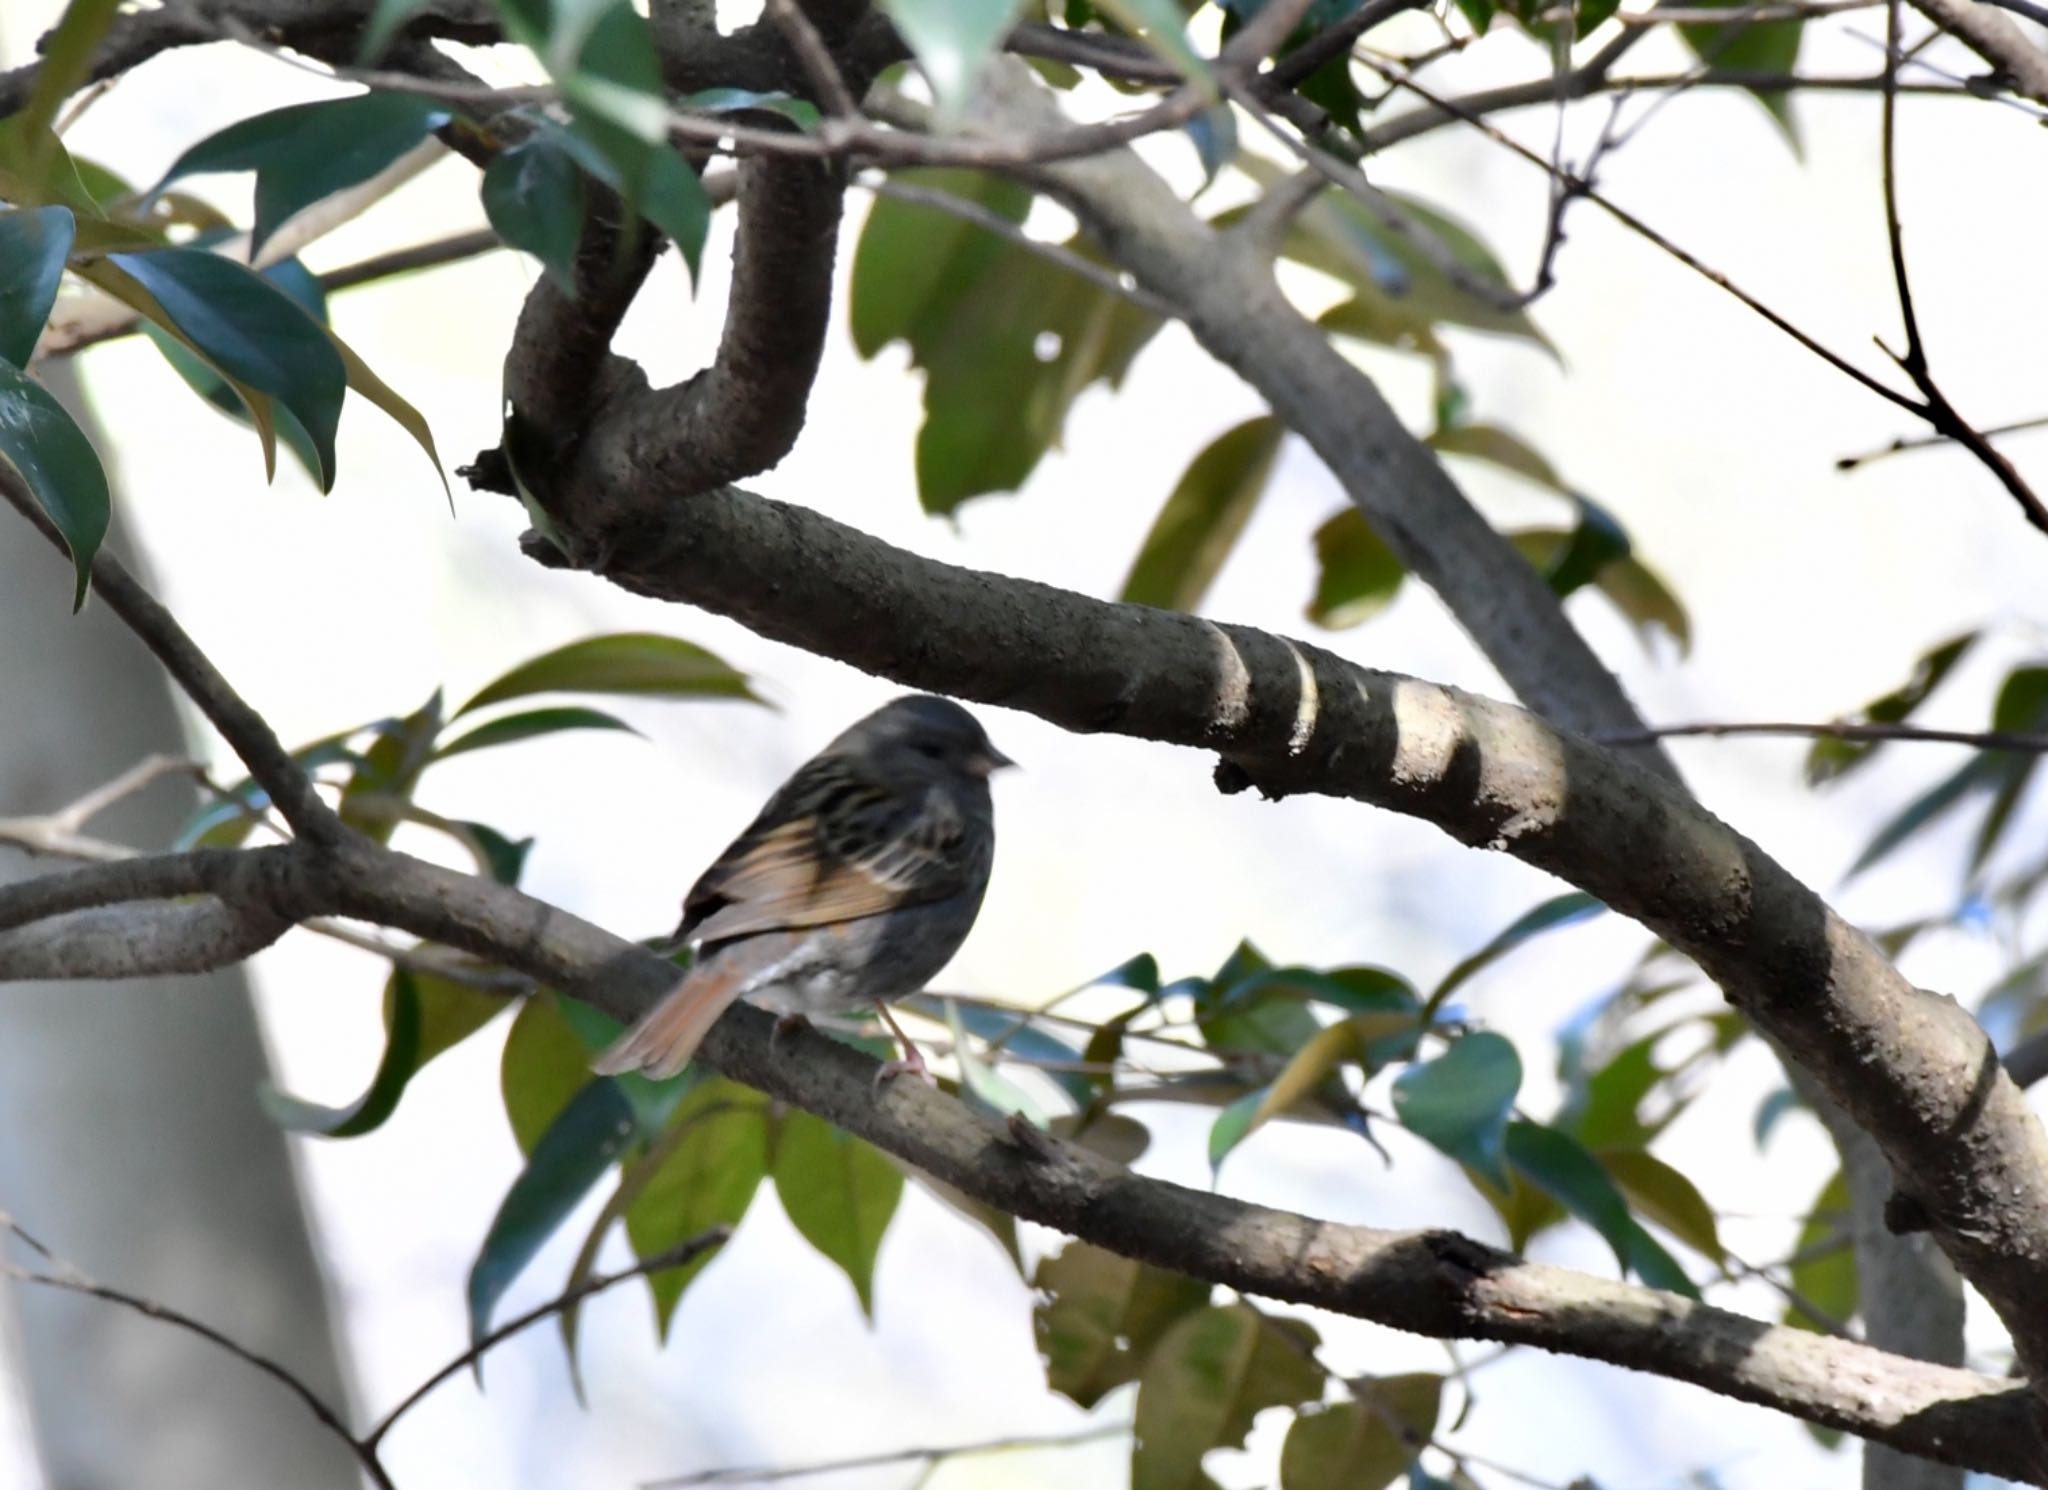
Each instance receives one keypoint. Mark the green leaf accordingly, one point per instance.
(1753, 46)
(706, 1177)
(1829, 759)
(1163, 25)
(1367, 1041)
(67, 54)
(508, 729)
(388, 772)
(798, 111)
(1980, 773)
(1012, 1030)
(378, 392)
(636, 663)
(543, 1067)
(1098, 1316)
(1007, 339)
(1200, 523)
(306, 152)
(58, 465)
(1207, 1377)
(1641, 595)
(1824, 1272)
(952, 41)
(839, 1193)
(253, 332)
(1556, 1164)
(1665, 1196)
(1563, 910)
(1400, 292)
(1366, 1443)
(1499, 447)
(34, 243)
(570, 1157)
(983, 1084)
(424, 1015)
(1460, 1101)
(1357, 574)
(533, 196)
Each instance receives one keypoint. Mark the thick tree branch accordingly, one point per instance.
(1996, 38)
(1291, 717)
(138, 941)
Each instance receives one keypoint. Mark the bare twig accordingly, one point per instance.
(814, 57)
(677, 1256)
(768, 1474)
(1905, 443)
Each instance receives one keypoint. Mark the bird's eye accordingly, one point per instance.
(930, 749)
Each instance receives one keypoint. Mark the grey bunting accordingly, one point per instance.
(857, 882)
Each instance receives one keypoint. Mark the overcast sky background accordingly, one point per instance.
(1709, 434)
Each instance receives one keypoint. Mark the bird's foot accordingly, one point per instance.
(911, 1065)
(788, 1024)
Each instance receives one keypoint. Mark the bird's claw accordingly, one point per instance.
(913, 1065)
(788, 1024)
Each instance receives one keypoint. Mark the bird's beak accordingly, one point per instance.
(985, 763)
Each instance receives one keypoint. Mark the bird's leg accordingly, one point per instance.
(912, 1062)
(788, 1024)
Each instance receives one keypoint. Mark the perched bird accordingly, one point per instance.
(858, 881)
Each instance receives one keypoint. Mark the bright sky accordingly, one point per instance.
(1708, 433)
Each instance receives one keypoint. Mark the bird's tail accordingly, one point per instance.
(662, 1043)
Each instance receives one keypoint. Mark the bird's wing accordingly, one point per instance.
(831, 846)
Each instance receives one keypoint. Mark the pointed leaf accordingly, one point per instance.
(1208, 1376)
(708, 1178)
(1981, 773)
(570, 1157)
(306, 152)
(67, 54)
(533, 196)
(424, 1016)
(1665, 1196)
(952, 40)
(252, 331)
(543, 1067)
(631, 663)
(1163, 24)
(1756, 47)
(1564, 910)
(839, 1193)
(58, 465)
(1829, 759)
(34, 243)
(508, 729)
(798, 111)
(1200, 523)
(377, 391)
(1098, 1316)
(1498, 447)
(1460, 1101)
(1824, 1274)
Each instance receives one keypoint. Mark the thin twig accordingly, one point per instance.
(675, 1257)
(1906, 443)
(246, 731)
(2014, 740)
(814, 57)
(767, 1474)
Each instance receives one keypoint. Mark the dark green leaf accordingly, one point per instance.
(1829, 758)
(798, 111)
(839, 1193)
(533, 195)
(1755, 47)
(1357, 574)
(1656, 1190)
(424, 1015)
(635, 663)
(1007, 339)
(1099, 1314)
(503, 858)
(508, 729)
(384, 23)
(34, 243)
(1207, 1377)
(706, 1177)
(1461, 1100)
(1200, 523)
(1564, 910)
(253, 332)
(1366, 1443)
(1479, 12)
(1981, 773)
(1595, 542)
(58, 465)
(1556, 1164)
(1214, 133)
(952, 40)
(307, 152)
(570, 1157)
